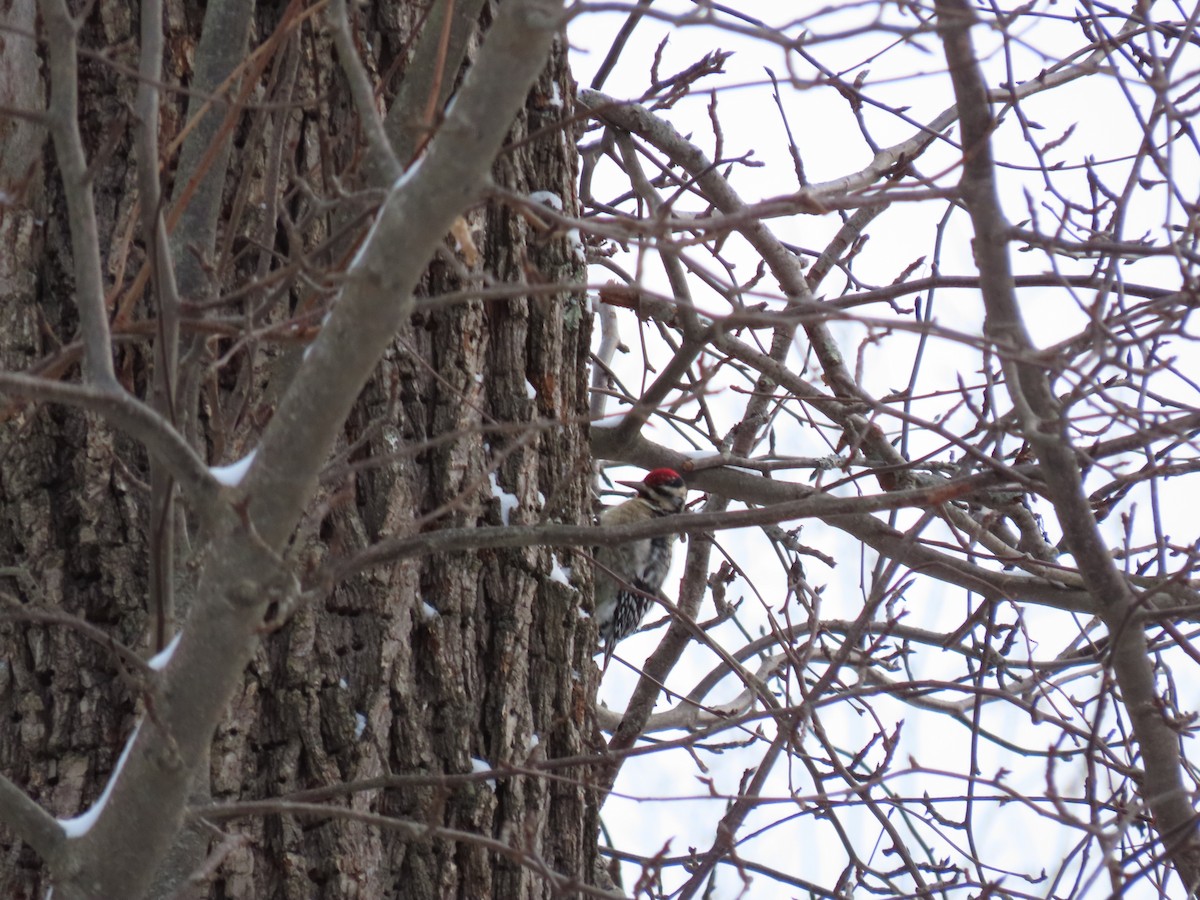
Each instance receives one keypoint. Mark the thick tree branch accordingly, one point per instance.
(1045, 426)
(30, 822)
(244, 578)
(850, 514)
(377, 297)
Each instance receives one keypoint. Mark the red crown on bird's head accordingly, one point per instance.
(662, 476)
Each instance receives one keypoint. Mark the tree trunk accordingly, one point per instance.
(433, 666)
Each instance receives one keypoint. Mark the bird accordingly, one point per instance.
(629, 575)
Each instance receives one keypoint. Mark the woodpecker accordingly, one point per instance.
(630, 574)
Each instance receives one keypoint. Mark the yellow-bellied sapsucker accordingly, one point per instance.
(630, 574)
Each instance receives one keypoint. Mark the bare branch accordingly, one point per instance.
(166, 293)
(1045, 429)
(136, 419)
(383, 160)
(63, 114)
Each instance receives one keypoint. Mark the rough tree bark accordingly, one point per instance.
(421, 668)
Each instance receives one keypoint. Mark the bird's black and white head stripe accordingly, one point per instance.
(663, 489)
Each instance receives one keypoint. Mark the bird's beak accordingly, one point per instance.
(635, 485)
